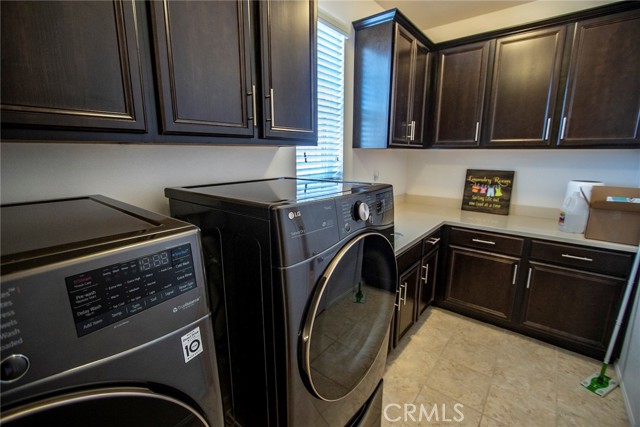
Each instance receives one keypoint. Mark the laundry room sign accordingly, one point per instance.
(487, 191)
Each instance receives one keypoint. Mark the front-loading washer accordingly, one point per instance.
(105, 318)
(304, 277)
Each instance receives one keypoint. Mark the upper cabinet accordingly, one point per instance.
(524, 88)
(193, 72)
(288, 69)
(198, 93)
(460, 93)
(602, 101)
(72, 65)
(392, 69)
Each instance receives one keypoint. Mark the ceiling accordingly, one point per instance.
(448, 19)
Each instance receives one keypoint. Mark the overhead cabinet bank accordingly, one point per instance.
(100, 71)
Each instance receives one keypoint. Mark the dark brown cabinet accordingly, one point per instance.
(72, 65)
(482, 272)
(602, 106)
(199, 93)
(287, 66)
(572, 294)
(410, 90)
(205, 58)
(392, 73)
(460, 95)
(524, 88)
(407, 291)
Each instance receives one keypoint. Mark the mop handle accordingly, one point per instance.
(623, 307)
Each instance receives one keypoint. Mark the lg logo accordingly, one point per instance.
(295, 214)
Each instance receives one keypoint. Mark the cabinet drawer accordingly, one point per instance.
(431, 242)
(408, 257)
(588, 259)
(487, 241)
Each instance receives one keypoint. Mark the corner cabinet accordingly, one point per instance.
(72, 65)
(602, 106)
(460, 95)
(391, 83)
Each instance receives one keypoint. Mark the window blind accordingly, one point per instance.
(325, 160)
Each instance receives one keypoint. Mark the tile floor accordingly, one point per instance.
(456, 371)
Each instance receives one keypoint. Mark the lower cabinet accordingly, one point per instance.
(567, 295)
(417, 267)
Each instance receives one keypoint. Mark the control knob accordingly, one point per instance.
(361, 211)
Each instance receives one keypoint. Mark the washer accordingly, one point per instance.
(105, 318)
(305, 277)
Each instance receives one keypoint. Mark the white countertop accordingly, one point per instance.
(413, 221)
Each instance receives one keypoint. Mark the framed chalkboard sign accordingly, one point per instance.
(487, 191)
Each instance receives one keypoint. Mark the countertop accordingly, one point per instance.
(413, 221)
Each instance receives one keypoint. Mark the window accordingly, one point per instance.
(325, 160)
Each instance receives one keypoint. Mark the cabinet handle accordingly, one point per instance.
(410, 131)
(564, 124)
(273, 113)
(546, 133)
(529, 277)
(581, 258)
(405, 294)
(515, 274)
(402, 300)
(486, 242)
(426, 274)
(477, 131)
(413, 130)
(253, 98)
(433, 240)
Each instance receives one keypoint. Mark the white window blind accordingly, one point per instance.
(325, 160)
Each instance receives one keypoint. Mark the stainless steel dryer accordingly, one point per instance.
(304, 274)
(105, 318)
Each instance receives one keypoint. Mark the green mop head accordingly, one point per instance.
(599, 383)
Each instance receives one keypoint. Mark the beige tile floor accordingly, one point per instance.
(456, 371)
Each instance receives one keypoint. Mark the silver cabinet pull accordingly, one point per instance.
(580, 258)
(486, 242)
(426, 273)
(405, 294)
(413, 130)
(529, 277)
(401, 300)
(564, 125)
(410, 130)
(253, 96)
(546, 133)
(433, 240)
(273, 113)
(515, 274)
(477, 131)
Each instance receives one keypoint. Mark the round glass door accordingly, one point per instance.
(113, 407)
(349, 316)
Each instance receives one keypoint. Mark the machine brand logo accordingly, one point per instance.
(187, 304)
(294, 214)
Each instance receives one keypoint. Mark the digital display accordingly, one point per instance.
(110, 294)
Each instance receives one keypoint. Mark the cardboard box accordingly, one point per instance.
(614, 216)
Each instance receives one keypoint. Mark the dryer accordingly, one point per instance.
(304, 278)
(105, 318)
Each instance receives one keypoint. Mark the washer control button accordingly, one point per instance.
(13, 367)
(361, 211)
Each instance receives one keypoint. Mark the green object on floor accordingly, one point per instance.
(599, 383)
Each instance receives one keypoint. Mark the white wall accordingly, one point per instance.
(135, 174)
(629, 364)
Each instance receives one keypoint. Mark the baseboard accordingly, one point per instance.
(627, 403)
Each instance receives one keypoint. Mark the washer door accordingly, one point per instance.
(349, 316)
(106, 408)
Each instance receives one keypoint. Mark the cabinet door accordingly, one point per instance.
(602, 104)
(401, 127)
(420, 88)
(71, 64)
(405, 312)
(461, 82)
(524, 88)
(481, 282)
(428, 273)
(199, 93)
(575, 306)
(288, 64)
